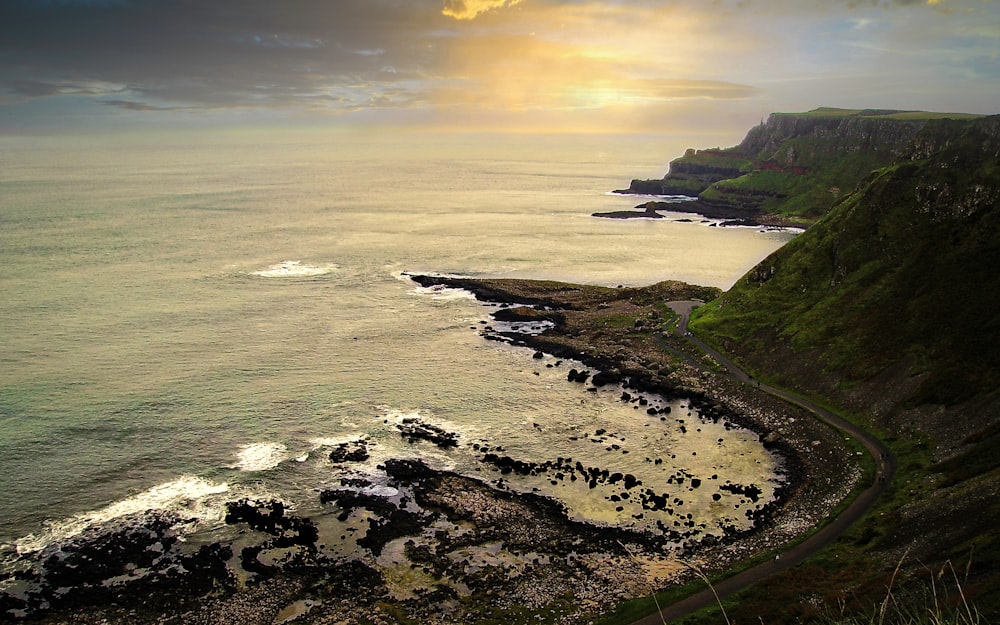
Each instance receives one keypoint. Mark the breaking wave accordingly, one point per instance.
(294, 269)
(260, 456)
(193, 496)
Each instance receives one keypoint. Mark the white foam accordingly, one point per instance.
(443, 293)
(442, 458)
(189, 494)
(668, 199)
(437, 291)
(397, 416)
(331, 441)
(400, 416)
(380, 491)
(260, 456)
(531, 328)
(294, 269)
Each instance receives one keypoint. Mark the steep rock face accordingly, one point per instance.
(793, 167)
(694, 172)
(867, 131)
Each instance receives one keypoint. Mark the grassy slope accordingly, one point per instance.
(808, 173)
(897, 270)
(898, 285)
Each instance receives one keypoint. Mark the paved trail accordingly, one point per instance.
(884, 469)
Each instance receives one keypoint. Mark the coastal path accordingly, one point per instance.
(796, 554)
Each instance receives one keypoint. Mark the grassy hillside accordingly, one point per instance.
(903, 270)
(889, 309)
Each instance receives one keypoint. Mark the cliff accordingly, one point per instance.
(791, 169)
(903, 268)
(889, 307)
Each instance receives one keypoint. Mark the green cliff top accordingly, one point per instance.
(833, 113)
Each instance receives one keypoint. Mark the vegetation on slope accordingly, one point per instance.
(905, 269)
(794, 167)
(890, 307)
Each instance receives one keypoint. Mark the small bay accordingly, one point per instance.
(188, 320)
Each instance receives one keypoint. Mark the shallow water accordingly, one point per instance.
(189, 320)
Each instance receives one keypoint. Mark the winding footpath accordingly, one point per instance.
(795, 555)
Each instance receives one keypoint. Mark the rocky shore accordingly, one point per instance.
(720, 215)
(433, 546)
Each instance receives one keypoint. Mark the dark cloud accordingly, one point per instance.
(219, 53)
(139, 106)
(455, 56)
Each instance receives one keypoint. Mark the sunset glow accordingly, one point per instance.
(500, 64)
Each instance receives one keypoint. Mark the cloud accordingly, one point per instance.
(445, 57)
(528, 73)
(212, 54)
(469, 9)
(140, 106)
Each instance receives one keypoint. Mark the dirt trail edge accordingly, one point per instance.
(884, 470)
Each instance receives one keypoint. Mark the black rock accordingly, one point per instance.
(413, 429)
(354, 451)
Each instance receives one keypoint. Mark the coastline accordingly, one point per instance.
(299, 583)
(821, 471)
(726, 216)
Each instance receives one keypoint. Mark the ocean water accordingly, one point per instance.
(186, 320)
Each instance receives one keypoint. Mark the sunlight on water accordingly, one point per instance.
(225, 310)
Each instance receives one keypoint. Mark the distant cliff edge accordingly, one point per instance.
(791, 169)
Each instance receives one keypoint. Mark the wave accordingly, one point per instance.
(260, 456)
(333, 441)
(437, 291)
(444, 293)
(330, 441)
(193, 496)
(669, 199)
(294, 269)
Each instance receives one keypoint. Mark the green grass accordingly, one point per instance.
(891, 274)
(979, 458)
(719, 159)
(814, 173)
(837, 586)
(901, 273)
(620, 321)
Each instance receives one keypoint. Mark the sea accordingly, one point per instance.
(192, 318)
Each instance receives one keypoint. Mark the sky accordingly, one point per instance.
(518, 65)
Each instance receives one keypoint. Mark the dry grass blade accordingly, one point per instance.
(888, 595)
(652, 590)
(705, 579)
